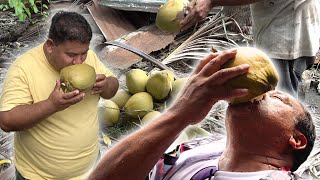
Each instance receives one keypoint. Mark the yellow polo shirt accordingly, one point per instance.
(64, 145)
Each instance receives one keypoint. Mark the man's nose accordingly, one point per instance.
(77, 60)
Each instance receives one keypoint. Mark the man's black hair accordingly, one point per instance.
(69, 26)
(306, 126)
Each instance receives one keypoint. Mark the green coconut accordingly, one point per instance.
(177, 87)
(110, 113)
(121, 98)
(170, 15)
(170, 74)
(136, 80)
(194, 131)
(159, 85)
(149, 117)
(139, 105)
(189, 133)
(182, 138)
(79, 76)
(261, 77)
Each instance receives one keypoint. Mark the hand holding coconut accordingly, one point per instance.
(99, 85)
(206, 86)
(196, 11)
(61, 100)
(83, 77)
(176, 15)
(106, 87)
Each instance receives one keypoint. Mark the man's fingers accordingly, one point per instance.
(204, 61)
(185, 23)
(215, 64)
(100, 77)
(224, 75)
(72, 94)
(75, 99)
(57, 86)
(188, 23)
(96, 92)
(236, 93)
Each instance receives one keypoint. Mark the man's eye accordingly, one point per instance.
(278, 97)
(71, 55)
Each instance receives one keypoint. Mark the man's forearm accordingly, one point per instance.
(25, 116)
(232, 2)
(111, 88)
(147, 145)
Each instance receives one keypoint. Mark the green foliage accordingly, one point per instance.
(24, 8)
(4, 7)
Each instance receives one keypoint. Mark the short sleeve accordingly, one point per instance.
(15, 90)
(100, 67)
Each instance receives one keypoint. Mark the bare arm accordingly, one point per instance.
(139, 152)
(26, 116)
(145, 145)
(232, 2)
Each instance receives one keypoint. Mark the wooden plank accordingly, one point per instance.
(111, 22)
(147, 39)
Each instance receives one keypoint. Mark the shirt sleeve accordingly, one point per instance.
(100, 67)
(15, 90)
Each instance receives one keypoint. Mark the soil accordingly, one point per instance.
(34, 32)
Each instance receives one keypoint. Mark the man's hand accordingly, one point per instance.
(99, 86)
(61, 100)
(106, 87)
(206, 86)
(196, 11)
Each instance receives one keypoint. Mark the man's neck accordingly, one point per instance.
(240, 161)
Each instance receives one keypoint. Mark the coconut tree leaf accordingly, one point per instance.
(212, 34)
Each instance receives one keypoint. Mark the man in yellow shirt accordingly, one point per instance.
(56, 133)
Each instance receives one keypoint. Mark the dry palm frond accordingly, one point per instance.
(212, 34)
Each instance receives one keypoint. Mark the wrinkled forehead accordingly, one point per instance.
(286, 99)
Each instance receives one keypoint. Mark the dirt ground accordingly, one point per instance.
(36, 34)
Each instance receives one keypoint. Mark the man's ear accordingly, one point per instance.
(49, 45)
(298, 141)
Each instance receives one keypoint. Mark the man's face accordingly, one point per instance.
(273, 117)
(67, 53)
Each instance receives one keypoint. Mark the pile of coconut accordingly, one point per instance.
(145, 90)
(138, 100)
